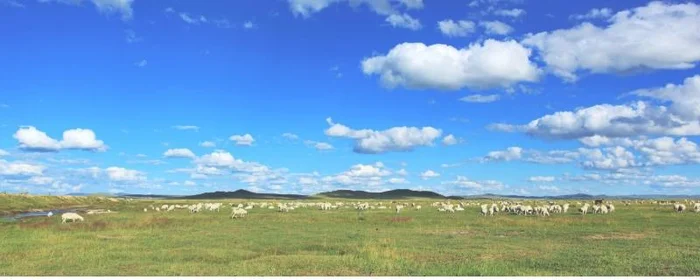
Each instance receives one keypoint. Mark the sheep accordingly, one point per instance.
(459, 208)
(238, 213)
(584, 209)
(679, 207)
(603, 209)
(145, 209)
(398, 208)
(418, 207)
(49, 214)
(565, 207)
(596, 209)
(484, 209)
(611, 208)
(70, 216)
(696, 207)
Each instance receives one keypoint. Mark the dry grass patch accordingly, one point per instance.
(617, 236)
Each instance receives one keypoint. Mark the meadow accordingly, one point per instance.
(639, 240)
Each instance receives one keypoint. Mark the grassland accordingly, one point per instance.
(635, 240)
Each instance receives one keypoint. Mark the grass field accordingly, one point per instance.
(635, 240)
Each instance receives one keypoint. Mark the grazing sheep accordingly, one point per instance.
(696, 207)
(565, 207)
(484, 209)
(398, 208)
(145, 209)
(603, 209)
(584, 209)
(418, 207)
(49, 214)
(70, 216)
(611, 208)
(679, 207)
(238, 213)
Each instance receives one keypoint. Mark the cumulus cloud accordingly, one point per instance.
(540, 179)
(321, 146)
(591, 124)
(428, 174)
(496, 27)
(207, 144)
(122, 7)
(417, 66)
(451, 28)
(644, 33)
(210, 164)
(20, 169)
(179, 153)
(123, 175)
(514, 13)
(511, 153)
(32, 139)
(594, 14)
(450, 140)
(485, 185)
(306, 8)
(478, 98)
(3, 153)
(141, 63)
(404, 21)
(396, 181)
(290, 136)
(243, 140)
(394, 139)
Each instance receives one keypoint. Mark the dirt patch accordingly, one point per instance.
(401, 219)
(617, 236)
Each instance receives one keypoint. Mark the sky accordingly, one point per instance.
(517, 97)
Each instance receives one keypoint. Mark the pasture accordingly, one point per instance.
(639, 239)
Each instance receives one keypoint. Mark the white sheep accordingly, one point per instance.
(679, 207)
(418, 207)
(70, 216)
(696, 207)
(398, 208)
(584, 209)
(145, 209)
(565, 207)
(484, 209)
(611, 208)
(238, 213)
(49, 214)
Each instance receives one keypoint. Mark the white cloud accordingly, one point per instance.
(496, 27)
(594, 14)
(207, 144)
(243, 140)
(82, 139)
(450, 140)
(141, 63)
(210, 164)
(680, 118)
(20, 169)
(464, 182)
(478, 98)
(644, 33)
(404, 21)
(510, 12)
(189, 183)
(451, 28)
(248, 25)
(122, 7)
(541, 179)
(396, 181)
(402, 172)
(512, 153)
(179, 153)
(394, 139)
(305, 8)
(608, 158)
(32, 139)
(417, 66)
(40, 180)
(119, 174)
(192, 19)
(359, 175)
(428, 174)
(322, 146)
(131, 36)
(290, 136)
(3, 153)
(186, 127)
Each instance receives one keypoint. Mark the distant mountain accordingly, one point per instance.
(392, 194)
(244, 194)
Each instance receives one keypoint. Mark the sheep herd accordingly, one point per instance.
(240, 210)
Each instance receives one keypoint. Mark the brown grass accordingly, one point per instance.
(618, 236)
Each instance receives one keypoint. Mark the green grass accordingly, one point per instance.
(635, 240)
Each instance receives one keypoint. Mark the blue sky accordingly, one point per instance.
(305, 96)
